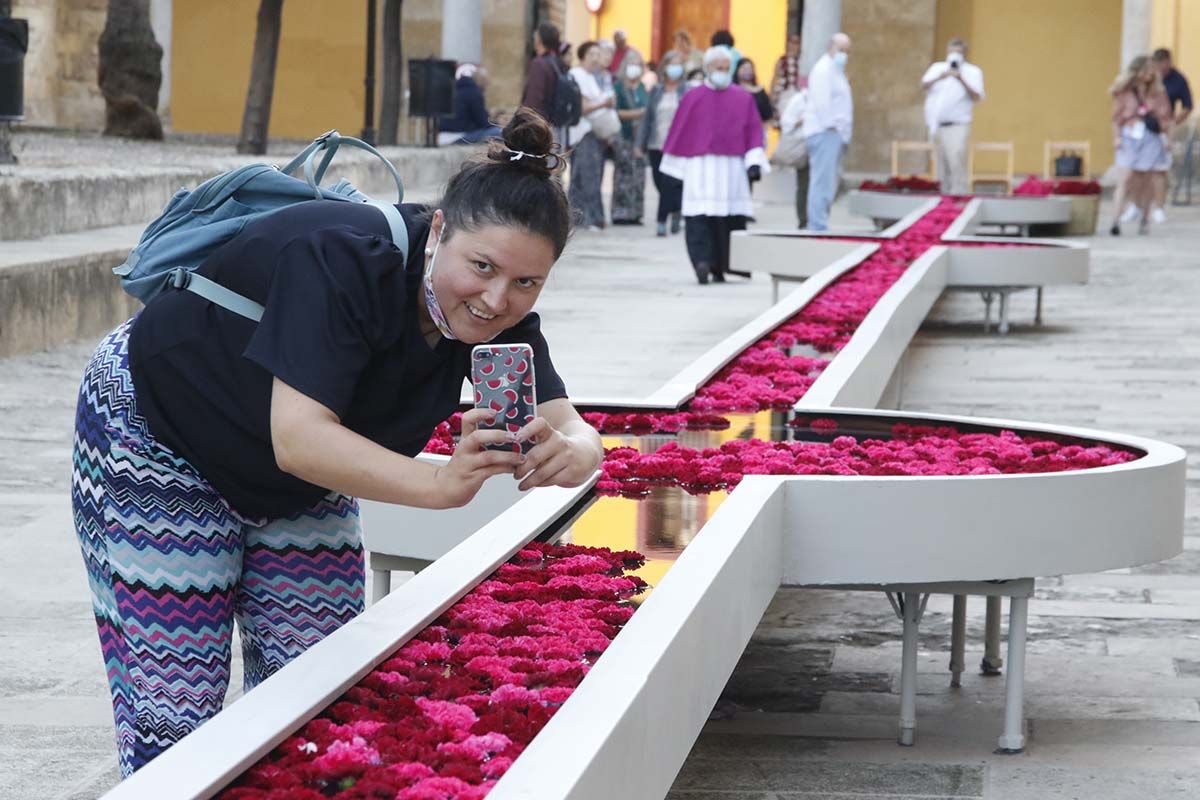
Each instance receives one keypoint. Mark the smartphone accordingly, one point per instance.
(502, 377)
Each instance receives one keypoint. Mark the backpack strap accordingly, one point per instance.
(214, 292)
(395, 223)
(181, 278)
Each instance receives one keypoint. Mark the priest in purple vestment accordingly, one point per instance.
(715, 143)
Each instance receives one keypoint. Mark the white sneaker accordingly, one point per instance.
(1131, 212)
(1158, 216)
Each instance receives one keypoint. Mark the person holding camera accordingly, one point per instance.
(217, 461)
(1141, 122)
(952, 88)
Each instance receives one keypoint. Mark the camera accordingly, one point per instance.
(955, 60)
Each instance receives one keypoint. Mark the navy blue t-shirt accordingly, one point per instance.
(340, 326)
(1178, 91)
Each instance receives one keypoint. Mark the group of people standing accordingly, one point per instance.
(696, 118)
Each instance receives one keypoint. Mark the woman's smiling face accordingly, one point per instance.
(487, 278)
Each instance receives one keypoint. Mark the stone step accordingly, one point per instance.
(46, 196)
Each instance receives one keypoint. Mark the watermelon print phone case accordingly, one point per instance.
(502, 376)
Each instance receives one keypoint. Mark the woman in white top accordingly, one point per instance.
(590, 139)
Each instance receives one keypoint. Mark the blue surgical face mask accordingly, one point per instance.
(674, 71)
(720, 79)
(840, 58)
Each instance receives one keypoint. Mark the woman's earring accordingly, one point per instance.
(428, 251)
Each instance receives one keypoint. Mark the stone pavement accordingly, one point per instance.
(1114, 666)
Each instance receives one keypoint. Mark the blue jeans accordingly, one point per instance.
(824, 157)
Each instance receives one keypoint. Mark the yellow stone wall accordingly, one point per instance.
(1047, 68)
(319, 75)
(1176, 26)
(318, 79)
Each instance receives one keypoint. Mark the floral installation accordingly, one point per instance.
(1039, 187)
(912, 450)
(651, 422)
(445, 715)
(901, 183)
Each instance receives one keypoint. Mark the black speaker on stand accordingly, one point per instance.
(431, 93)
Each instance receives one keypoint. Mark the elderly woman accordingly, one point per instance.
(1141, 121)
(715, 145)
(661, 106)
(629, 164)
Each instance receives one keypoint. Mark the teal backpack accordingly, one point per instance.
(196, 222)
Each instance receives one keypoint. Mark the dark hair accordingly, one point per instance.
(548, 33)
(515, 184)
(721, 37)
(1162, 54)
(753, 71)
(696, 73)
(582, 52)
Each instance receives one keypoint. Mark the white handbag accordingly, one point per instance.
(605, 124)
(792, 150)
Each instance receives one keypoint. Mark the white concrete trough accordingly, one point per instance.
(628, 727)
(885, 208)
(1008, 265)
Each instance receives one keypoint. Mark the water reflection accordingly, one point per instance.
(666, 521)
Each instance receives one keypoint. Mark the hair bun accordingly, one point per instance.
(527, 142)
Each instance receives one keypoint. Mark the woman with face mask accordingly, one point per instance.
(715, 146)
(661, 106)
(217, 460)
(629, 164)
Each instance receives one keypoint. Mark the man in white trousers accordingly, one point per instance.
(952, 88)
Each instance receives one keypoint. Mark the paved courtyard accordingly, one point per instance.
(1114, 659)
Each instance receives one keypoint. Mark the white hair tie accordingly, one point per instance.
(517, 155)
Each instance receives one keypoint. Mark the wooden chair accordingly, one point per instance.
(1005, 178)
(1053, 148)
(899, 147)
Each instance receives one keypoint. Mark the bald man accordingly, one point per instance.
(828, 123)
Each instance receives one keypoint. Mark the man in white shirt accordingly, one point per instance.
(952, 87)
(828, 122)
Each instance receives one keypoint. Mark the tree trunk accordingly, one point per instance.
(130, 73)
(257, 116)
(393, 73)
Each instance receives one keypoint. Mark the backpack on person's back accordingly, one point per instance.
(198, 221)
(566, 107)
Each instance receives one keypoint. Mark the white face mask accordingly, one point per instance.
(840, 58)
(674, 71)
(719, 79)
(633, 72)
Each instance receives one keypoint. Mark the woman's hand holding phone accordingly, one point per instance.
(555, 458)
(472, 463)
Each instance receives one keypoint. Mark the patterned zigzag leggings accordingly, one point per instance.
(171, 566)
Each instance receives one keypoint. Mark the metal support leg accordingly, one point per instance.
(381, 584)
(987, 310)
(1003, 312)
(1037, 316)
(958, 640)
(774, 289)
(992, 662)
(1013, 740)
(909, 607)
